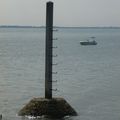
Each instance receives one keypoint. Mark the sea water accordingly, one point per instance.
(88, 77)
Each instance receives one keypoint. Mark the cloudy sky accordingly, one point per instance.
(66, 12)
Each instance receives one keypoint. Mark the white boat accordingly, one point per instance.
(89, 42)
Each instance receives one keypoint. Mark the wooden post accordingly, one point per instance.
(49, 45)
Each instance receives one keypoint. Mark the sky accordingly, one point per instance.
(72, 13)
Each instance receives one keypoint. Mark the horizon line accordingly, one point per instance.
(35, 26)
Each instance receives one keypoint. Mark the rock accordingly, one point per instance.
(55, 108)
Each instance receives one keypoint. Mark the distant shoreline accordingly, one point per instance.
(17, 26)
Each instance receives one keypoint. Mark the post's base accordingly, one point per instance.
(55, 107)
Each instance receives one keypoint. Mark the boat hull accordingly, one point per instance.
(88, 43)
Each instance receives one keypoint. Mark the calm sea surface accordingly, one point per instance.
(88, 76)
